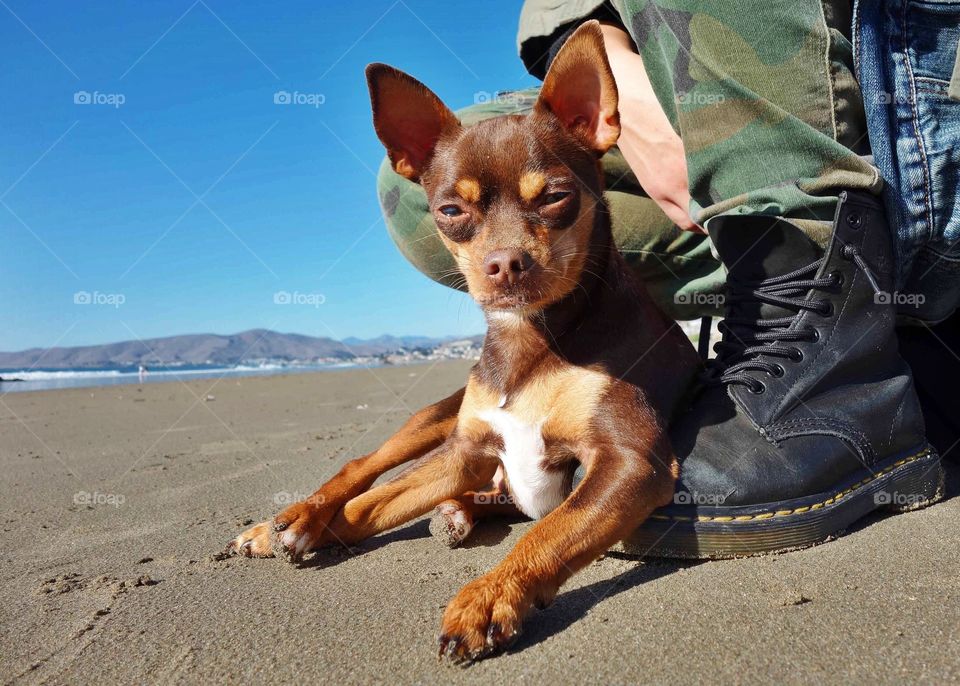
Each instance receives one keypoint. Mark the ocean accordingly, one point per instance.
(40, 379)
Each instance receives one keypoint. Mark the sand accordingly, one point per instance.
(116, 503)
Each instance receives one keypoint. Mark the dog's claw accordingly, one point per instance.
(454, 648)
(238, 550)
(301, 528)
(448, 646)
(493, 635)
(482, 619)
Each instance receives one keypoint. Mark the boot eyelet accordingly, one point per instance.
(814, 335)
(854, 220)
(796, 355)
(777, 372)
(826, 309)
(837, 277)
(847, 252)
(758, 389)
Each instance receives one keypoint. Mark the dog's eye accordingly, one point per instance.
(555, 197)
(450, 211)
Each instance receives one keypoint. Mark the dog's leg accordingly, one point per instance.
(450, 470)
(423, 432)
(621, 488)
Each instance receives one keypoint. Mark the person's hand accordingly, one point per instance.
(648, 142)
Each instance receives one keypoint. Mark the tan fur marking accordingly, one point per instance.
(531, 183)
(565, 396)
(468, 189)
(573, 396)
(405, 169)
(477, 398)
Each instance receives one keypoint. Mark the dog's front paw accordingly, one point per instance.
(254, 542)
(483, 619)
(299, 529)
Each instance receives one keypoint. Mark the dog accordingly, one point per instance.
(578, 368)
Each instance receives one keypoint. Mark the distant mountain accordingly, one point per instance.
(198, 349)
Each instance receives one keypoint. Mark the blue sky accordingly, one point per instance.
(188, 205)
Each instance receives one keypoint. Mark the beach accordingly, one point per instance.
(118, 501)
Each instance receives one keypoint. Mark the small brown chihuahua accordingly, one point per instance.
(578, 366)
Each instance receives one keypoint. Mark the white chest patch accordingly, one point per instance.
(535, 490)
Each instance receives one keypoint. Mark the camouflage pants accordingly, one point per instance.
(763, 96)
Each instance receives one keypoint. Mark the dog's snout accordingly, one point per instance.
(507, 266)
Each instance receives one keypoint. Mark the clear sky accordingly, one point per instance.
(182, 198)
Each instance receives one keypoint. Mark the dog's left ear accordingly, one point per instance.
(408, 117)
(580, 91)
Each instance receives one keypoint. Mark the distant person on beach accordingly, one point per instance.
(142, 373)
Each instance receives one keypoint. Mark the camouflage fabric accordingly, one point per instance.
(764, 98)
(762, 94)
(677, 267)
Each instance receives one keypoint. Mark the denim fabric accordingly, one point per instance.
(906, 52)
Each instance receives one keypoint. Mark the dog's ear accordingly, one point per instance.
(408, 118)
(580, 91)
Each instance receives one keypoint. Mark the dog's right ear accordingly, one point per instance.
(580, 89)
(408, 118)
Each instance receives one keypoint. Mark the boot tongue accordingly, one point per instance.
(754, 248)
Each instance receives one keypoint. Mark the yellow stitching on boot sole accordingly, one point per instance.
(799, 510)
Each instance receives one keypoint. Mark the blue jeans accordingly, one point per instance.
(906, 55)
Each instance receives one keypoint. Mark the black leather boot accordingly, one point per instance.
(808, 418)
(931, 353)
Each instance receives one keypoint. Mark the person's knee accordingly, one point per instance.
(406, 214)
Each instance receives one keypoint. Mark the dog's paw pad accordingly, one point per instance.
(254, 542)
(450, 524)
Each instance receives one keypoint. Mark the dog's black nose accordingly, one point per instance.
(507, 266)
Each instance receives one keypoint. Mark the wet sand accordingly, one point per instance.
(116, 503)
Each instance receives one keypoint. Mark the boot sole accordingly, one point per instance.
(898, 484)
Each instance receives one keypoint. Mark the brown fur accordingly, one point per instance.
(574, 347)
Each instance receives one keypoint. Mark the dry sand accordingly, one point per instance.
(131, 589)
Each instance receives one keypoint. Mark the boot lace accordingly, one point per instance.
(752, 344)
